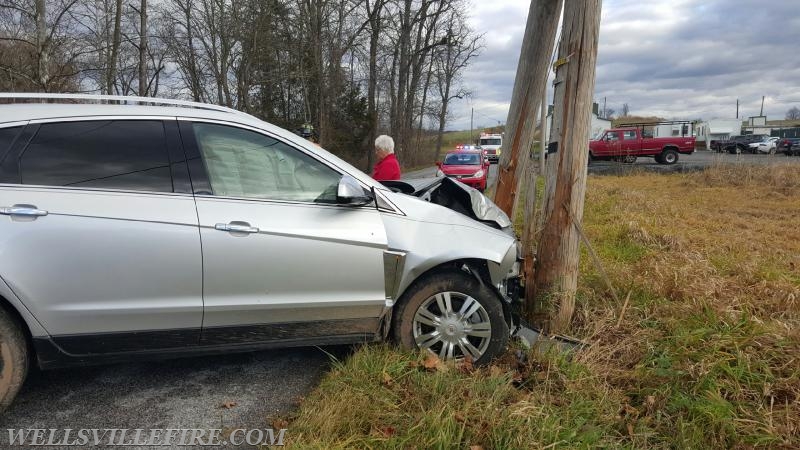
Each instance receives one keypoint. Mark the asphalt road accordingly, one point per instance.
(181, 393)
(686, 163)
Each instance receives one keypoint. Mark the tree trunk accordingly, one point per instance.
(42, 47)
(143, 50)
(194, 78)
(372, 83)
(111, 63)
(556, 274)
(399, 127)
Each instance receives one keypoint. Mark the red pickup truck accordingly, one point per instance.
(626, 144)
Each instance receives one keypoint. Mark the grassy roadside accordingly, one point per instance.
(705, 354)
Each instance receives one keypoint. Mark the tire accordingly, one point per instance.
(417, 319)
(13, 358)
(669, 156)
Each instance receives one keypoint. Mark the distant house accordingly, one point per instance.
(598, 124)
(718, 129)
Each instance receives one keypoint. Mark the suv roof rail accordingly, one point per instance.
(121, 99)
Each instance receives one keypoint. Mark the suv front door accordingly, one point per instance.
(281, 260)
(101, 236)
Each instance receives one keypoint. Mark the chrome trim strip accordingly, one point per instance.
(16, 123)
(123, 99)
(86, 190)
(393, 265)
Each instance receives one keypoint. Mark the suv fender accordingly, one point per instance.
(7, 296)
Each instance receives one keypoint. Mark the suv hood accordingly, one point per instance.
(460, 169)
(457, 197)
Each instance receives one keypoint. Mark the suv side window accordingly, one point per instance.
(629, 135)
(243, 163)
(7, 136)
(108, 154)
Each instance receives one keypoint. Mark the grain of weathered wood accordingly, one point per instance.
(556, 274)
(532, 70)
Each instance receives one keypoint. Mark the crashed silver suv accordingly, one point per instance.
(141, 228)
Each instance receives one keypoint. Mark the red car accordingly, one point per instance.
(468, 166)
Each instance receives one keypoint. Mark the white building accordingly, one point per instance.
(718, 129)
(598, 124)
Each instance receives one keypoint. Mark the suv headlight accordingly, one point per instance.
(439, 174)
(478, 174)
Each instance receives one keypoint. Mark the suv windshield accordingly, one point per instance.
(462, 159)
(495, 141)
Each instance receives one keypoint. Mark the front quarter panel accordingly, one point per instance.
(432, 235)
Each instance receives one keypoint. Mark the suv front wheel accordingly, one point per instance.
(13, 359)
(452, 315)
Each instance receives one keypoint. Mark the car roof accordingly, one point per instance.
(24, 112)
(477, 152)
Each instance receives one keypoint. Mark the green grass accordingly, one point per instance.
(705, 356)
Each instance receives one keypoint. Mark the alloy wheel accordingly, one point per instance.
(452, 325)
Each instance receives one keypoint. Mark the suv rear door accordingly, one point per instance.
(100, 234)
(281, 260)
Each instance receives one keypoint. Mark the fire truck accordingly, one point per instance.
(491, 144)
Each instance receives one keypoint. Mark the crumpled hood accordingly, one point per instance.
(444, 200)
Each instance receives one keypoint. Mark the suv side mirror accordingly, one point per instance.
(350, 192)
(438, 164)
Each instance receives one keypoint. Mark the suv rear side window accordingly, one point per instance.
(7, 136)
(118, 154)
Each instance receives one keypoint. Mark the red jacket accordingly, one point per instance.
(387, 169)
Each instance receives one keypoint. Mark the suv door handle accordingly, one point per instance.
(236, 227)
(22, 210)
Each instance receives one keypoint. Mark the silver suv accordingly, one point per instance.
(140, 228)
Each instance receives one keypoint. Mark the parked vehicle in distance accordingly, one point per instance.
(790, 146)
(136, 228)
(492, 143)
(739, 144)
(467, 166)
(767, 146)
(626, 144)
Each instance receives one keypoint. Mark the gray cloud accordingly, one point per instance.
(673, 58)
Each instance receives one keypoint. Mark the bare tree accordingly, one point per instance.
(463, 45)
(626, 110)
(793, 113)
(40, 32)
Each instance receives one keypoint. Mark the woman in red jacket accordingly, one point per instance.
(387, 167)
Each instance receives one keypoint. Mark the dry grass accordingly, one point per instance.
(706, 355)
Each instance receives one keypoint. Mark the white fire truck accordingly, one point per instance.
(491, 144)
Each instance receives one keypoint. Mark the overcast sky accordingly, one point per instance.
(678, 59)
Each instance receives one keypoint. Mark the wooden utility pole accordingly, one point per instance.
(529, 83)
(556, 274)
